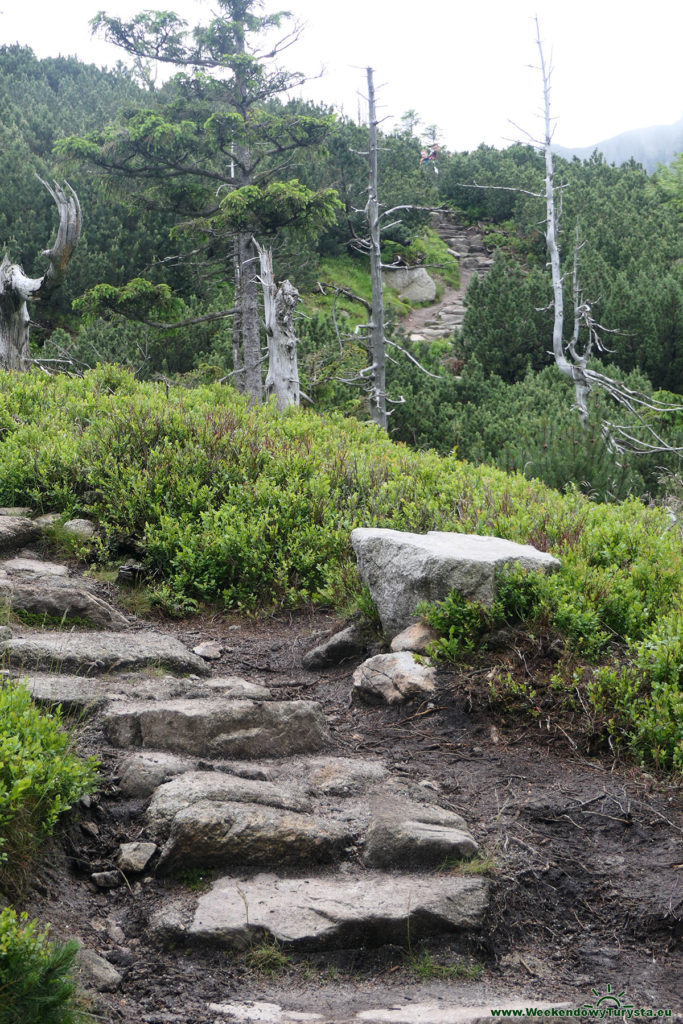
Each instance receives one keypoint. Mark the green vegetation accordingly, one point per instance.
(35, 975)
(247, 509)
(267, 957)
(427, 968)
(40, 777)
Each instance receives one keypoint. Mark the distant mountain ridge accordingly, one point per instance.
(651, 146)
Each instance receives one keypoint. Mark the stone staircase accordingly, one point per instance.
(313, 850)
(466, 244)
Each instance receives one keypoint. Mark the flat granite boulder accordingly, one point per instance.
(85, 694)
(219, 787)
(15, 531)
(402, 569)
(334, 912)
(98, 653)
(219, 727)
(212, 833)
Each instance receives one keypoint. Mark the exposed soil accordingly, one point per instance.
(587, 853)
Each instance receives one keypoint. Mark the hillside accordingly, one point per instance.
(652, 146)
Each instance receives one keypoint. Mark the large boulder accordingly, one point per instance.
(412, 283)
(15, 531)
(403, 569)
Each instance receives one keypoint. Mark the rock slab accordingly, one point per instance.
(15, 531)
(327, 913)
(97, 653)
(219, 727)
(402, 569)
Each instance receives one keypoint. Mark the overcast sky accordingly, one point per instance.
(464, 66)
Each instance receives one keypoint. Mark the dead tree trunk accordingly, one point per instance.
(279, 304)
(249, 319)
(378, 389)
(16, 289)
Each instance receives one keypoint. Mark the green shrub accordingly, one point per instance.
(246, 508)
(35, 974)
(40, 778)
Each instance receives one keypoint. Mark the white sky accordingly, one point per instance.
(462, 66)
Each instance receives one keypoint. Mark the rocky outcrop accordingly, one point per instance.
(403, 569)
(16, 531)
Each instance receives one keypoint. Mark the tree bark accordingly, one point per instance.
(279, 304)
(249, 319)
(16, 289)
(378, 392)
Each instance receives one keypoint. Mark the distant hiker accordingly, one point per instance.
(424, 156)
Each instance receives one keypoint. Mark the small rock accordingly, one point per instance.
(47, 520)
(350, 642)
(130, 573)
(209, 650)
(392, 679)
(96, 972)
(414, 638)
(81, 528)
(18, 511)
(90, 827)
(106, 879)
(135, 857)
(115, 932)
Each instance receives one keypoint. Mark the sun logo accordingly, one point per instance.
(609, 998)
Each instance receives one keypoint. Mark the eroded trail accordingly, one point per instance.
(252, 819)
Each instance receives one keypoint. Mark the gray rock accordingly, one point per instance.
(106, 879)
(414, 638)
(238, 689)
(58, 599)
(216, 727)
(45, 522)
(143, 772)
(412, 283)
(350, 642)
(416, 836)
(15, 531)
(85, 694)
(206, 787)
(392, 679)
(209, 650)
(344, 776)
(216, 834)
(94, 972)
(34, 566)
(402, 569)
(134, 857)
(81, 528)
(18, 510)
(327, 912)
(93, 653)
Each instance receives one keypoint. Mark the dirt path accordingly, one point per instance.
(583, 854)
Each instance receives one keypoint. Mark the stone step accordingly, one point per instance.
(100, 653)
(48, 594)
(219, 727)
(448, 1010)
(326, 912)
(218, 818)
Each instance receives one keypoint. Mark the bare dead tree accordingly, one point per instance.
(16, 289)
(279, 304)
(571, 358)
(377, 372)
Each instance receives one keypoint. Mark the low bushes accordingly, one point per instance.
(40, 777)
(247, 509)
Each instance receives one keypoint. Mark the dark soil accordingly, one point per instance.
(585, 851)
